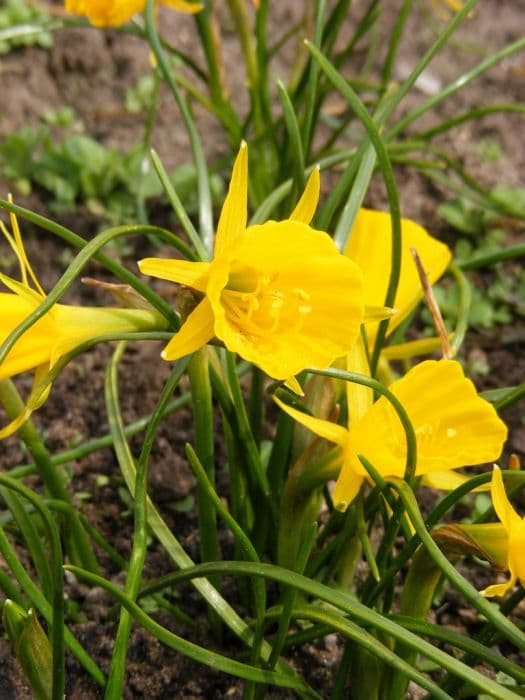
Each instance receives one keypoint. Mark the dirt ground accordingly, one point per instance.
(90, 70)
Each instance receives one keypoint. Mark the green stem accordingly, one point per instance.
(348, 604)
(201, 396)
(205, 203)
(114, 689)
(77, 545)
(57, 618)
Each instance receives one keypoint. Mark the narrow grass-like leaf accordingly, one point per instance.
(312, 103)
(484, 607)
(75, 539)
(458, 83)
(172, 546)
(114, 689)
(205, 203)
(178, 208)
(349, 605)
(473, 114)
(39, 602)
(463, 309)
(109, 263)
(294, 135)
(57, 589)
(513, 252)
(334, 622)
(35, 547)
(68, 278)
(194, 651)
(463, 642)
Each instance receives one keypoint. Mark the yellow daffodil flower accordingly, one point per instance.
(444, 7)
(370, 246)
(113, 13)
(514, 526)
(279, 294)
(454, 428)
(62, 329)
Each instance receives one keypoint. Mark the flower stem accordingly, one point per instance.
(76, 542)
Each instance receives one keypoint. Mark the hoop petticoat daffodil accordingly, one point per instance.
(454, 427)
(62, 329)
(370, 246)
(113, 13)
(514, 526)
(279, 294)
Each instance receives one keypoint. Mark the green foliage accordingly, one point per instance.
(499, 295)
(23, 23)
(79, 170)
(341, 573)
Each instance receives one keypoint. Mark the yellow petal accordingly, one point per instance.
(192, 274)
(183, 6)
(348, 484)
(412, 348)
(232, 221)
(292, 384)
(106, 13)
(13, 426)
(448, 481)
(454, 426)
(501, 503)
(359, 398)
(39, 393)
(22, 290)
(498, 589)
(306, 206)
(274, 307)
(196, 332)
(322, 428)
(378, 313)
(370, 246)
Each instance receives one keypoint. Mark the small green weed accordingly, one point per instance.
(23, 24)
(79, 170)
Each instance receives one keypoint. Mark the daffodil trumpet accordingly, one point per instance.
(452, 426)
(279, 294)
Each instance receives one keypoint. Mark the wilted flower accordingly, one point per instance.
(515, 542)
(62, 329)
(454, 427)
(112, 13)
(279, 294)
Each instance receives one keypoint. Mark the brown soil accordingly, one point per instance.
(90, 70)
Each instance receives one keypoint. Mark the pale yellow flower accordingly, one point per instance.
(515, 543)
(62, 329)
(454, 427)
(113, 13)
(279, 294)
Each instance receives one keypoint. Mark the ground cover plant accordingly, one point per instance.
(300, 475)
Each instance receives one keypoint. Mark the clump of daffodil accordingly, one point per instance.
(113, 13)
(62, 329)
(370, 246)
(279, 294)
(454, 427)
(514, 527)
